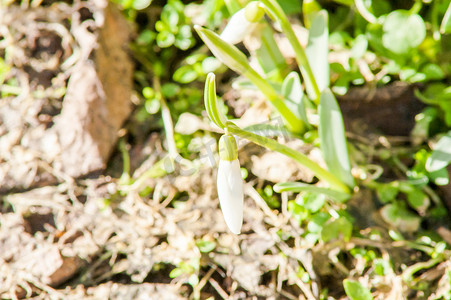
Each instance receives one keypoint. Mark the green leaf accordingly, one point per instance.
(433, 72)
(313, 202)
(211, 102)
(269, 56)
(356, 291)
(226, 53)
(295, 97)
(185, 74)
(333, 139)
(397, 215)
(316, 223)
(303, 187)
(340, 228)
(205, 246)
(418, 200)
(445, 27)
(141, 4)
(309, 10)
(176, 272)
(440, 177)
(165, 39)
(359, 46)
(423, 124)
(298, 212)
(232, 6)
(317, 50)
(387, 192)
(403, 31)
(290, 6)
(441, 156)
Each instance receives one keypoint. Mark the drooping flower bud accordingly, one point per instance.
(242, 23)
(230, 184)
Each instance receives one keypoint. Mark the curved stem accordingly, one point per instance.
(320, 172)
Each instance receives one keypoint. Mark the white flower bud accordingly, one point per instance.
(230, 193)
(230, 184)
(237, 28)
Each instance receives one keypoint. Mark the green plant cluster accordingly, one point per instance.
(370, 42)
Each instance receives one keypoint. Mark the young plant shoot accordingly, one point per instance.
(229, 181)
(287, 98)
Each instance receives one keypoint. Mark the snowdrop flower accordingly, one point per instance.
(230, 184)
(242, 23)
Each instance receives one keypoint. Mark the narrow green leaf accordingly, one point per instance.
(303, 187)
(295, 97)
(211, 102)
(317, 50)
(333, 139)
(269, 56)
(356, 291)
(441, 156)
(445, 27)
(228, 54)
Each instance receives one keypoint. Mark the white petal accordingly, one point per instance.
(230, 193)
(237, 28)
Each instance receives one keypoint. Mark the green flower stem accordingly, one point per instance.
(321, 173)
(237, 61)
(276, 12)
